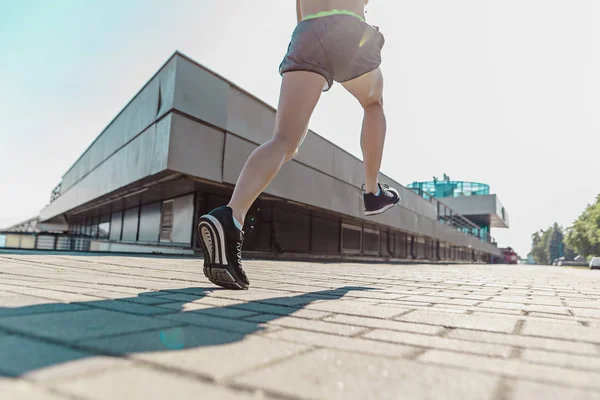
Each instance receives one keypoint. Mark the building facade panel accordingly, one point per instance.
(200, 93)
(139, 159)
(142, 111)
(249, 118)
(195, 149)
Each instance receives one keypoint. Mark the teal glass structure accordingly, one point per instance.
(447, 188)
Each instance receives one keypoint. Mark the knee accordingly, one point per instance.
(375, 101)
(288, 148)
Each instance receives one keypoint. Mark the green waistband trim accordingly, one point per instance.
(333, 12)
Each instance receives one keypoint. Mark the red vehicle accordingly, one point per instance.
(509, 256)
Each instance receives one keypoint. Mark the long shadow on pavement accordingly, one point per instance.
(44, 335)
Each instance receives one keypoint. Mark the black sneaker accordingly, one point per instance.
(387, 199)
(221, 244)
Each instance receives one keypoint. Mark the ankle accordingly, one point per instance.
(238, 218)
(373, 189)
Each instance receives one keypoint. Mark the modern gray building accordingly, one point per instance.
(175, 152)
(472, 200)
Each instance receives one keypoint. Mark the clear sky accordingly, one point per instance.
(505, 92)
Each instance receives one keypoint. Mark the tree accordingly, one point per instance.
(555, 244)
(584, 235)
(540, 245)
(549, 245)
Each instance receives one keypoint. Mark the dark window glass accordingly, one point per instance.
(371, 244)
(325, 235)
(351, 239)
(294, 229)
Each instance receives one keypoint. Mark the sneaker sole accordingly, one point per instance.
(380, 211)
(216, 268)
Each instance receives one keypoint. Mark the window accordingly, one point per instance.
(104, 227)
(401, 245)
(149, 227)
(386, 243)
(116, 225)
(166, 221)
(94, 227)
(296, 238)
(130, 224)
(351, 239)
(325, 235)
(87, 227)
(371, 241)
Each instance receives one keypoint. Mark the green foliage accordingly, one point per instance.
(582, 238)
(584, 235)
(549, 244)
(540, 240)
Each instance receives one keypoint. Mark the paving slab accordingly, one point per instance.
(331, 374)
(515, 369)
(526, 342)
(532, 390)
(20, 389)
(483, 322)
(139, 382)
(213, 353)
(77, 325)
(356, 345)
(113, 327)
(559, 331)
(443, 343)
(385, 324)
(22, 356)
(575, 361)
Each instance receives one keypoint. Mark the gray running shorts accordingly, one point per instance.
(338, 47)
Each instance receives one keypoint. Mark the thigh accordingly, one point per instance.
(368, 88)
(300, 93)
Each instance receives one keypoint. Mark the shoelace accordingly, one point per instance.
(384, 189)
(238, 247)
(239, 252)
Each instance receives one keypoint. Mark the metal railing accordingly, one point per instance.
(56, 192)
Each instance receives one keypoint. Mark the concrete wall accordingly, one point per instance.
(479, 205)
(144, 156)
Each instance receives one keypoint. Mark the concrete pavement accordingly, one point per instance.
(111, 327)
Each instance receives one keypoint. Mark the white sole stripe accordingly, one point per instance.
(202, 229)
(214, 254)
(384, 209)
(221, 235)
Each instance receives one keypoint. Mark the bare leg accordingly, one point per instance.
(300, 92)
(368, 90)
